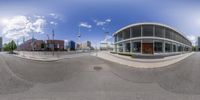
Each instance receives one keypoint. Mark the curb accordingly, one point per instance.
(152, 61)
(147, 65)
(52, 60)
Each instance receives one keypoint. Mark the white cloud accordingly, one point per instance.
(84, 24)
(106, 39)
(37, 16)
(108, 20)
(53, 23)
(102, 23)
(19, 26)
(55, 16)
(38, 25)
(193, 39)
(66, 40)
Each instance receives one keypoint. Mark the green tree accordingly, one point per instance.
(194, 48)
(10, 46)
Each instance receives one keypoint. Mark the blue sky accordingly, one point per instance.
(94, 17)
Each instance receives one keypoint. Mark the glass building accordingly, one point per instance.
(150, 39)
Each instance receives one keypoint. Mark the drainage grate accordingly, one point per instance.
(97, 68)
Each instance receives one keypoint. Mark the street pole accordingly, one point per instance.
(53, 41)
(78, 36)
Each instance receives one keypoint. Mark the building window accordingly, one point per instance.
(147, 30)
(120, 47)
(115, 37)
(119, 36)
(126, 33)
(158, 47)
(136, 47)
(168, 47)
(168, 34)
(127, 47)
(174, 48)
(179, 48)
(136, 31)
(159, 31)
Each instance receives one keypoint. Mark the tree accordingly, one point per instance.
(10, 46)
(194, 48)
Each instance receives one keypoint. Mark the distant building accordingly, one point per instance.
(71, 45)
(40, 45)
(198, 47)
(78, 46)
(57, 45)
(106, 46)
(32, 45)
(1, 44)
(86, 45)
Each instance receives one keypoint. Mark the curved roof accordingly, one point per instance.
(150, 23)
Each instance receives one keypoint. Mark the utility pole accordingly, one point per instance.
(47, 47)
(53, 41)
(79, 36)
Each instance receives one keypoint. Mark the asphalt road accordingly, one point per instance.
(91, 78)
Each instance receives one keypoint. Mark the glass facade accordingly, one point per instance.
(159, 31)
(147, 30)
(158, 47)
(136, 31)
(127, 47)
(164, 40)
(126, 33)
(136, 47)
(168, 47)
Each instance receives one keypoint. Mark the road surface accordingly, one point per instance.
(91, 78)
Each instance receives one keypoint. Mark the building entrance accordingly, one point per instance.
(147, 48)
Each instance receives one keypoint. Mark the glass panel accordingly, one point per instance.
(147, 30)
(159, 31)
(127, 47)
(136, 31)
(174, 48)
(119, 36)
(115, 37)
(168, 34)
(158, 47)
(120, 47)
(168, 47)
(127, 33)
(179, 48)
(136, 47)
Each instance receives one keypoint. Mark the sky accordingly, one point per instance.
(93, 18)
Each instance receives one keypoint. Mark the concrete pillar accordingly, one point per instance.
(141, 46)
(123, 45)
(131, 44)
(163, 46)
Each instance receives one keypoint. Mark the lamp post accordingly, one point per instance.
(79, 36)
(53, 40)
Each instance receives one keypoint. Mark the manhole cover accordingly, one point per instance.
(97, 68)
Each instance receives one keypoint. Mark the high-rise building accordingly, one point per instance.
(1, 44)
(71, 45)
(198, 43)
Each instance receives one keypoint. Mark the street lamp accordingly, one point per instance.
(53, 40)
(79, 36)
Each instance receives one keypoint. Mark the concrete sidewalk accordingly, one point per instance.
(49, 58)
(142, 63)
